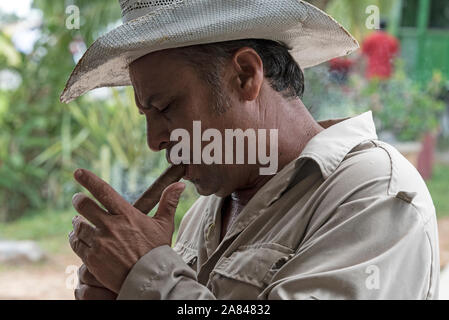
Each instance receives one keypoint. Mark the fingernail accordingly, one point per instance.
(180, 190)
(74, 197)
(78, 173)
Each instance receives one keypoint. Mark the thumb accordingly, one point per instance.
(169, 202)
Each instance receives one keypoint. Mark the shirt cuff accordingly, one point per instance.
(152, 276)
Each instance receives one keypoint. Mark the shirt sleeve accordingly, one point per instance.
(369, 248)
(162, 275)
(371, 236)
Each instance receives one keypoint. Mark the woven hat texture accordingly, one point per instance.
(311, 35)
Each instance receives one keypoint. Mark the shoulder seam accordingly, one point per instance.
(430, 267)
(390, 183)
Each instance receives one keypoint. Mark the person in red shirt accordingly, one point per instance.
(380, 48)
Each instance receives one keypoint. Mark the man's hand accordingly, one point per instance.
(121, 234)
(90, 289)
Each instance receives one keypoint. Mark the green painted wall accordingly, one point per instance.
(423, 48)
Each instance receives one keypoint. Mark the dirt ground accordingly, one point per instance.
(49, 280)
(46, 280)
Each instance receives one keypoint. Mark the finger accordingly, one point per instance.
(169, 202)
(78, 246)
(85, 292)
(85, 277)
(83, 230)
(149, 199)
(103, 192)
(89, 209)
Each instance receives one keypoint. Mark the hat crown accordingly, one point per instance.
(133, 9)
(155, 25)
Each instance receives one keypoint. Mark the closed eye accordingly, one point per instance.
(166, 109)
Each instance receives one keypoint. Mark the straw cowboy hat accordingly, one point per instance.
(311, 35)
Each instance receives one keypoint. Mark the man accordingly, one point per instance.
(344, 217)
(380, 48)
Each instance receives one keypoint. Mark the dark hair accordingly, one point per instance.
(284, 74)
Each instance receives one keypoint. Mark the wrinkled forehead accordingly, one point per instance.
(159, 62)
(153, 68)
(161, 72)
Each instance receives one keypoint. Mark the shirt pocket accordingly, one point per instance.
(188, 254)
(248, 270)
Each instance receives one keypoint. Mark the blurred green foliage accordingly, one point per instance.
(353, 14)
(42, 141)
(438, 189)
(49, 228)
(399, 105)
(403, 107)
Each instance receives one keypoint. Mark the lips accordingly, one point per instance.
(167, 156)
(187, 175)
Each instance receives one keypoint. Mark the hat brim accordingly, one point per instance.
(312, 36)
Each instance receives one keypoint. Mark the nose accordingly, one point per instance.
(158, 137)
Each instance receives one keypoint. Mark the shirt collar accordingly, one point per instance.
(329, 147)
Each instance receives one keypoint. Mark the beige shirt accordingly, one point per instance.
(351, 218)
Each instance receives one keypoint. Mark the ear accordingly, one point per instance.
(249, 72)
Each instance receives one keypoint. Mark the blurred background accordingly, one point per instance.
(401, 73)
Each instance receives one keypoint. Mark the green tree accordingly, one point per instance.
(353, 16)
(42, 141)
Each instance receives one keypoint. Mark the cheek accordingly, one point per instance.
(214, 176)
(202, 105)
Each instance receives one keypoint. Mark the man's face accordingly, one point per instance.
(171, 95)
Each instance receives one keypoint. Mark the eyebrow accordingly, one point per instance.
(148, 102)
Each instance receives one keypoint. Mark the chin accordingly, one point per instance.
(207, 190)
(202, 190)
(222, 193)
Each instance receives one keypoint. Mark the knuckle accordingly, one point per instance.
(77, 228)
(82, 227)
(75, 244)
(73, 241)
(170, 200)
(89, 258)
(172, 203)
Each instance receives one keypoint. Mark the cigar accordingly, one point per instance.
(149, 199)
